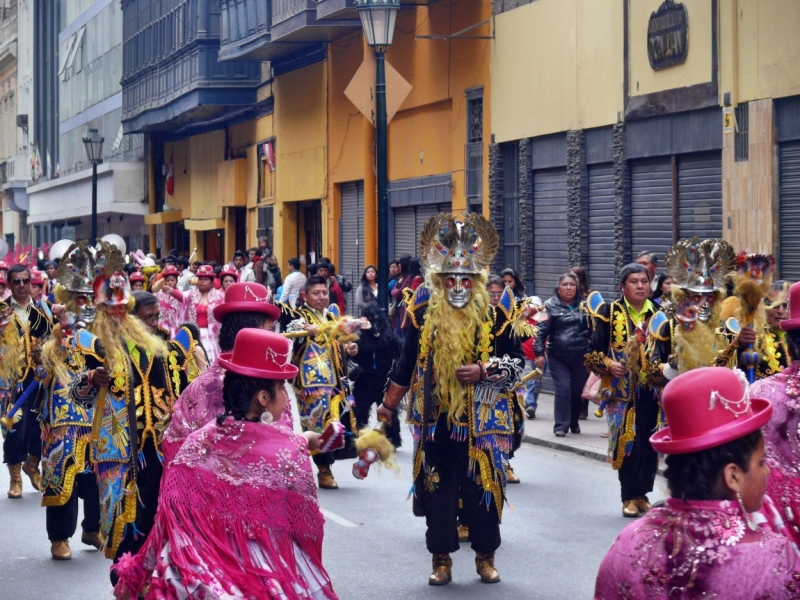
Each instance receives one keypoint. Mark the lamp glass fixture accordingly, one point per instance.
(378, 18)
(93, 144)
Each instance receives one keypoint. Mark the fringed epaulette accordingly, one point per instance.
(658, 328)
(185, 339)
(593, 306)
(87, 343)
(416, 301)
(519, 317)
(334, 310)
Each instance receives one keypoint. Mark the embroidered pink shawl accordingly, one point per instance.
(782, 439)
(232, 488)
(171, 311)
(698, 550)
(199, 404)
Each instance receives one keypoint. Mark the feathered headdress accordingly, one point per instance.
(701, 267)
(79, 268)
(458, 244)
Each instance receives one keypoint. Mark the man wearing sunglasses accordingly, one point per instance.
(22, 447)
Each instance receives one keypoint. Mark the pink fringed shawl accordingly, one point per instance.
(782, 440)
(237, 505)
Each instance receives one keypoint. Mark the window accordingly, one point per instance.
(740, 137)
(266, 172)
(265, 222)
(473, 152)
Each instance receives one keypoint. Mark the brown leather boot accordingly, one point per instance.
(643, 504)
(92, 539)
(31, 468)
(442, 570)
(629, 509)
(15, 489)
(326, 480)
(463, 533)
(60, 550)
(511, 477)
(484, 565)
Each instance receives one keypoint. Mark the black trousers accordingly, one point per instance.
(637, 474)
(26, 436)
(62, 521)
(363, 409)
(148, 482)
(569, 376)
(438, 496)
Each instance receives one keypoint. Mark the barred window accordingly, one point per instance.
(740, 137)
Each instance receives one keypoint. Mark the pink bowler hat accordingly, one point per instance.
(260, 353)
(793, 322)
(170, 270)
(205, 271)
(247, 297)
(708, 407)
(37, 277)
(137, 275)
(229, 270)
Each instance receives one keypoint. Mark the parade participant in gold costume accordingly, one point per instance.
(321, 386)
(460, 360)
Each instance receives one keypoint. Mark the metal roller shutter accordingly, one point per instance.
(424, 213)
(550, 257)
(789, 211)
(651, 206)
(700, 195)
(601, 230)
(351, 238)
(405, 231)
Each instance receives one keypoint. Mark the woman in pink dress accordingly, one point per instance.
(238, 515)
(170, 299)
(782, 432)
(703, 543)
(200, 303)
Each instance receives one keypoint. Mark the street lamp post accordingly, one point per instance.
(377, 19)
(94, 152)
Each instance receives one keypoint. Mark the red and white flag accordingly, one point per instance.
(170, 177)
(269, 154)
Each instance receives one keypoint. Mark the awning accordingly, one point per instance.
(172, 216)
(204, 224)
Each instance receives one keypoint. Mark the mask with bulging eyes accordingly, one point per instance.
(458, 289)
(87, 311)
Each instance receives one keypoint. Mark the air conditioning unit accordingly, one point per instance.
(22, 121)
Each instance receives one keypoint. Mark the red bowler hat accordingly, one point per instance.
(170, 270)
(260, 353)
(247, 297)
(4, 265)
(137, 275)
(793, 322)
(708, 407)
(228, 270)
(37, 277)
(205, 271)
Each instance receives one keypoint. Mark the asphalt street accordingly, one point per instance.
(566, 513)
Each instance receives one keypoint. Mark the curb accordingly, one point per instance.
(580, 450)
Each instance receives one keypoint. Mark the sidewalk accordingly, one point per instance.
(588, 442)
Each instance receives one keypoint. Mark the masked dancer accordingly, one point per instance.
(459, 363)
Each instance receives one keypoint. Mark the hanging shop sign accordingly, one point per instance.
(668, 35)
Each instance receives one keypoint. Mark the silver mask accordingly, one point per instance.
(706, 305)
(87, 311)
(458, 288)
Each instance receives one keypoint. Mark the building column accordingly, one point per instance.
(622, 200)
(496, 216)
(525, 192)
(577, 199)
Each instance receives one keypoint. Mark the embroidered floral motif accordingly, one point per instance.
(431, 479)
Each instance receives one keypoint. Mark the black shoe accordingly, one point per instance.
(530, 412)
(583, 415)
(560, 433)
(575, 429)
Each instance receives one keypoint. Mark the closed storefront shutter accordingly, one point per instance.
(424, 213)
(651, 206)
(550, 258)
(405, 231)
(700, 195)
(601, 230)
(351, 238)
(789, 211)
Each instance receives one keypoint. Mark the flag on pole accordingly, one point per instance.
(269, 155)
(170, 177)
(49, 165)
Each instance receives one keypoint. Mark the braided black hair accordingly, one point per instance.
(238, 392)
(234, 323)
(698, 475)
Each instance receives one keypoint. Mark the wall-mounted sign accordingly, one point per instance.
(668, 35)
(727, 119)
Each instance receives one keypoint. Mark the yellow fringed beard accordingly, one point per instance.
(13, 355)
(696, 348)
(115, 336)
(454, 333)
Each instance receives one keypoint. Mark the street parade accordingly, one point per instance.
(398, 299)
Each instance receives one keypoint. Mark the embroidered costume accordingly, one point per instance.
(202, 313)
(463, 432)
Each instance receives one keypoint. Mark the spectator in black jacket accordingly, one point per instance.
(566, 336)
